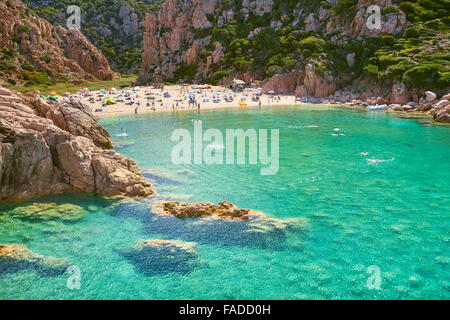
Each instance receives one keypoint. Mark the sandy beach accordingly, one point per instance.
(177, 98)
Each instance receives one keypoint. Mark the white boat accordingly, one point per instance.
(377, 107)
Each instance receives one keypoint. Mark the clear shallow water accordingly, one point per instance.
(392, 214)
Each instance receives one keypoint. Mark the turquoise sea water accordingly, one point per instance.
(359, 213)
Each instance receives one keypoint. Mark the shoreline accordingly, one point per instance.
(178, 98)
(401, 114)
(175, 98)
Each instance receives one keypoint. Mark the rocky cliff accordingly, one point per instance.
(35, 52)
(314, 48)
(54, 148)
(115, 27)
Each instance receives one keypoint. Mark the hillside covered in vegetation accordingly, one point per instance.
(216, 40)
(34, 52)
(115, 27)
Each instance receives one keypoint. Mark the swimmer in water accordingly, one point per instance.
(379, 161)
(364, 153)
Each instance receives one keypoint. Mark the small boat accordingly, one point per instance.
(377, 107)
(310, 100)
(242, 103)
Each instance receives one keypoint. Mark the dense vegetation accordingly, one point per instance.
(103, 26)
(61, 88)
(419, 56)
(14, 67)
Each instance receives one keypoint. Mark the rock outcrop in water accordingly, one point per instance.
(35, 52)
(54, 148)
(223, 210)
(15, 257)
(222, 223)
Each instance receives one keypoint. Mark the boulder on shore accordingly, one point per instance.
(48, 148)
(442, 115)
(430, 96)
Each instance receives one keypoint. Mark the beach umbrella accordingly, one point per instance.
(109, 100)
(102, 90)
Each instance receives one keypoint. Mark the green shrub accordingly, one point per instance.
(390, 9)
(434, 24)
(23, 28)
(373, 70)
(306, 53)
(314, 44)
(273, 70)
(443, 81)
(412, 33)
(398, 70)
(36, 77)
(412, 10)
(387, 60)
(422, 75)
(345, 8)
(28, 67)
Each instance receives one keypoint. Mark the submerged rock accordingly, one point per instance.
(49, 211)
(223, 210)
(223, 224)
(161, 256)
(15, 257)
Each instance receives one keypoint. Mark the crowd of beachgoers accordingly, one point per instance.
(174, 97)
